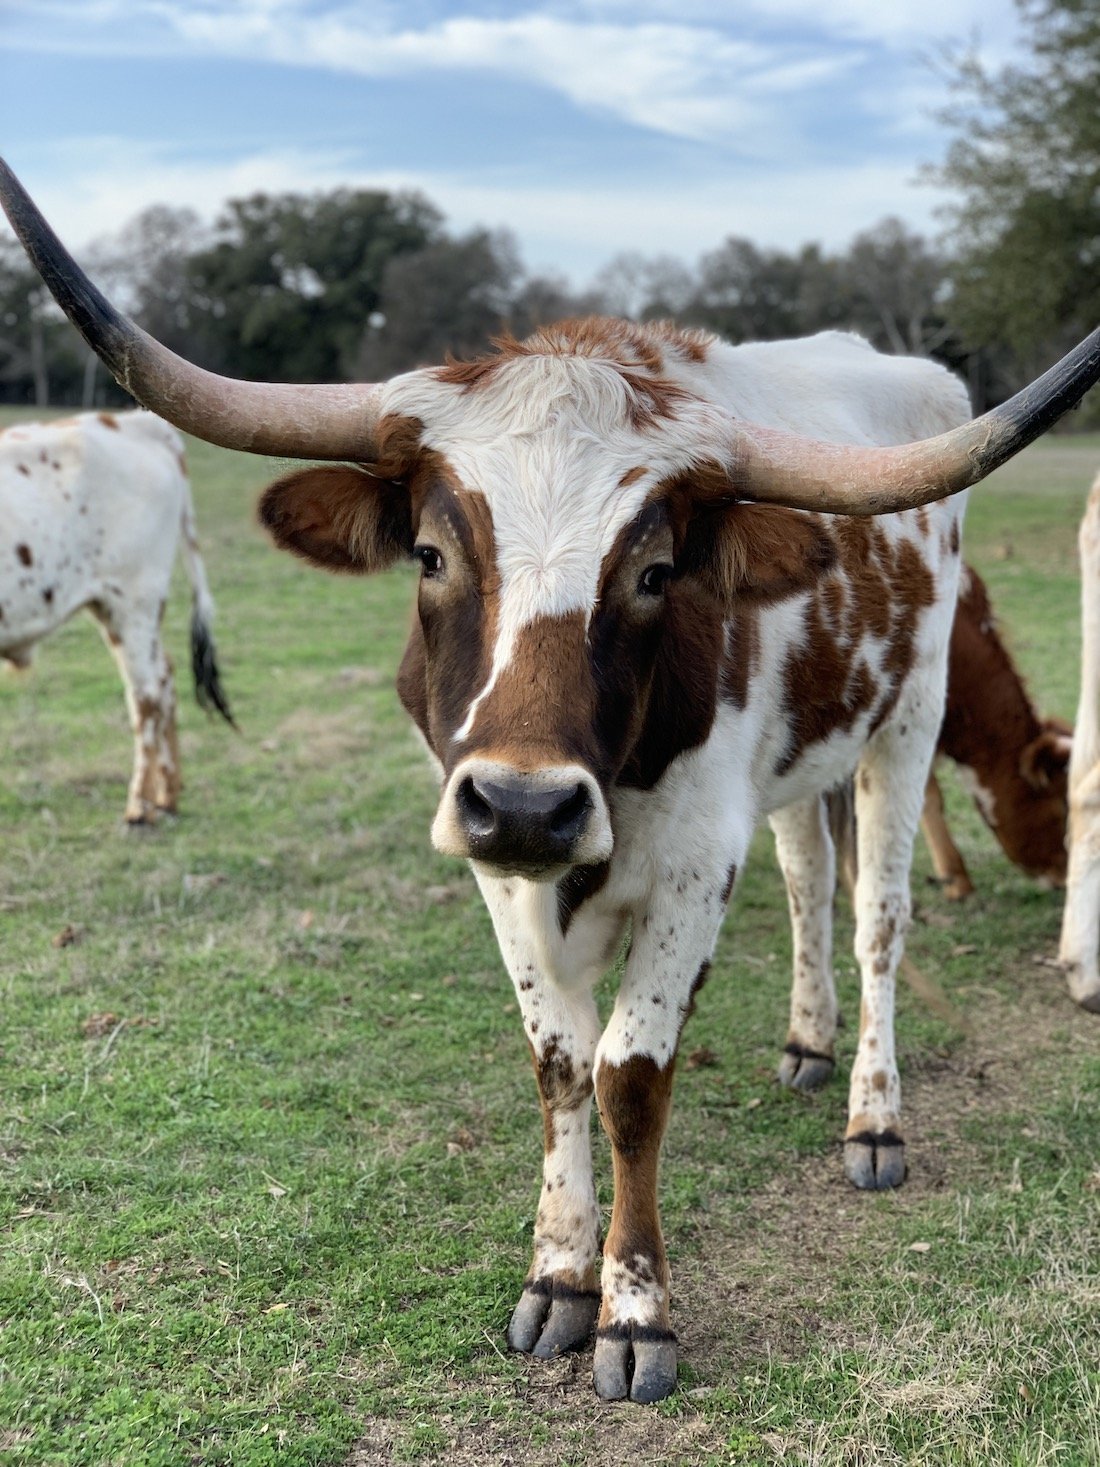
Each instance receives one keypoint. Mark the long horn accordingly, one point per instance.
(783, 468)
(288, 420)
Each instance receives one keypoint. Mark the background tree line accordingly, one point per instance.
(359, 284)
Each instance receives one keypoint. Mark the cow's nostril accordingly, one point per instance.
(475, 811)
(568, 819)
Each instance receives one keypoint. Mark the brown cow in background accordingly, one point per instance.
(1012, 762)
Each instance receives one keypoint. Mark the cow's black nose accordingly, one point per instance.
(520, 821)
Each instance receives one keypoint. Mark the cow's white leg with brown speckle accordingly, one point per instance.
(673, 940)
(133, 635)
(557, 1309)
(889, 787)
(804, 848)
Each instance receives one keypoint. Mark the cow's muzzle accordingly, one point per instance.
(528, 823)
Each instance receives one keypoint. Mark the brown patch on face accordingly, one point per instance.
(632, 476)
(448, 656)
(548, 674)
(828, 684)
(24, 554)
(109, 421)
(634, 1100)
(954, 538)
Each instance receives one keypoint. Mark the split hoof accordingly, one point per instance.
(552, 1318)
(634, 1360)
(875, 1162)
(804, 1069)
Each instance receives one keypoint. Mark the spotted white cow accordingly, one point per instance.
(1080, 942)
(91, 511)
(642, 627)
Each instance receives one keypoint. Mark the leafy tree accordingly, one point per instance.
(1026, 163)
(41, 357)
(900, 287)
(291, 280)
(451, 296)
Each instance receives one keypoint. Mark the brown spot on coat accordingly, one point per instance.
(24, 554)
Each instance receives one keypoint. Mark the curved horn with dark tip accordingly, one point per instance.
(288, 420)
(783, 468)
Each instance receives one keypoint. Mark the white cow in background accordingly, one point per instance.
(91, 509)
(1081, 917)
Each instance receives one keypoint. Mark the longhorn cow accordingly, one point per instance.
(653, 609)
(91, 511)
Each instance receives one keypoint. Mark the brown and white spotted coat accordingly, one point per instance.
(1014, 763)
(91, 511)
(620, 670)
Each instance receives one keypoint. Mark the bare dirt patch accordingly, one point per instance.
(749, 1295)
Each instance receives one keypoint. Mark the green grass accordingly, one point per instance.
(269, 1142)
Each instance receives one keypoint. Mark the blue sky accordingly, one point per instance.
(588, 127)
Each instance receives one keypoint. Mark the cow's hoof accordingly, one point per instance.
(634, 1360)
(873, 1162)
(1090, 1001)
(552, 1318)
(804, 1069)
(146, 821)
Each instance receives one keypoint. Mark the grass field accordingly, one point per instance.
(270, 1145)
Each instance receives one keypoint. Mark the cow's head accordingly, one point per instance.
(1033, 831)
(574, 547)
(564, 516)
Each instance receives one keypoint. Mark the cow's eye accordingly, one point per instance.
(653, 579)
(431, 562)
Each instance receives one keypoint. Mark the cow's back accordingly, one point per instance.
(91, 510)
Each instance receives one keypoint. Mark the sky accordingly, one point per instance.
(587, 127)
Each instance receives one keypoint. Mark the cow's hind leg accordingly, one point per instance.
(804, 847)
(890, 787)
(134, 639)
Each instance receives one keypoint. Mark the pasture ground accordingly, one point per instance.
(269, 1142)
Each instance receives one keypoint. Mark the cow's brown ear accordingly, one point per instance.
(756, 551)
(339, 517)
(1046, 758)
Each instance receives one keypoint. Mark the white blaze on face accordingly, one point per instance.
(548, 441)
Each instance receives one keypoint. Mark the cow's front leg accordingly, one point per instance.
(557, 1308)
(635, 1346)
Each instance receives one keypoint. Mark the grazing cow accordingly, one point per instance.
(632, 642)
(1081, 916)
(90, 511)
(1013, 763)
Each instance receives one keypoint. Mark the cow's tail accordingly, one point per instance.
(204, 660)
(840, 805)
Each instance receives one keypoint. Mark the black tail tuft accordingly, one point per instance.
(204, 668)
